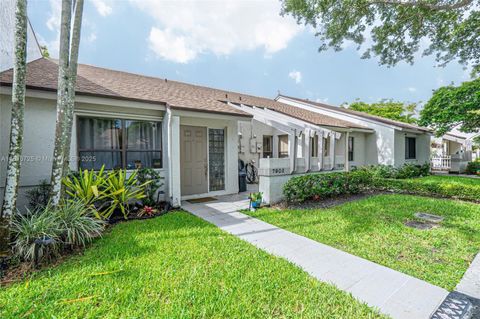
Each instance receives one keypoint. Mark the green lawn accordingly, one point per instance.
(175, 266)
(451, 179)
(373, 228)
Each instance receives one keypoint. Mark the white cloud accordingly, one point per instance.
(92, 37)
(412, 89)
(185, 29)
(102, 7)
(170, 47)
(53, 22)
(296, 76)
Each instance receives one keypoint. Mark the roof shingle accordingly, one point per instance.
(95, 81)
(360, 114)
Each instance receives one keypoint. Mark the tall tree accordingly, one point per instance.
(452, 106)
(397, 111)
(396, 29)
(18, 109)
(67, 74)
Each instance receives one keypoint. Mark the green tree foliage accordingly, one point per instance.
(396, 29)
(397, 111)
(45, 52)
(451, 106)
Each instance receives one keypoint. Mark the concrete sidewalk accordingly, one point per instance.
(390, 291)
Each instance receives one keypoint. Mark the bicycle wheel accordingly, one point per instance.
(252, 173)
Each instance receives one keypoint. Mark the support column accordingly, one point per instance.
(174, 148)
(292, 150)
(320, 151)
(275, 146)
(332, 150)
(307, 151)
(347, 164)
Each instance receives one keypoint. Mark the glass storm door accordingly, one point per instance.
(216, 159)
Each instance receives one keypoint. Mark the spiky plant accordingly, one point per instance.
(36, 224)
(78, 227)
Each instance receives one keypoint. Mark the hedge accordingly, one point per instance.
(313, 186)
(416, 186)
(324, 185)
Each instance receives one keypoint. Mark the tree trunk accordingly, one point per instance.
(62, 102)
(18, 109)
(74, 49)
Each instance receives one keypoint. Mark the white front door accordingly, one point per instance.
(193, 160)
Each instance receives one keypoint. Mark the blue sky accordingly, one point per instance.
(236, 45)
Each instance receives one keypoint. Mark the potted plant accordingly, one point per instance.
(256, 199)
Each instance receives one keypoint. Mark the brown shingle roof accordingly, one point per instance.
(361, 114)
(95, 81)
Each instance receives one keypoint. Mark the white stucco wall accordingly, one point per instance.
(422, 149)
(251, 133)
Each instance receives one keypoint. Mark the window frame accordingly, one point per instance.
(123, 150)
(314, 146)
(270, 152)
(280, 153)
(409, 150)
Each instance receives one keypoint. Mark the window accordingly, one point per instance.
(267, 146)
(216, 159)
(282, 146)
(314, 146)
(119, 143)
(350, 148)
(326, 146)
(410, 145)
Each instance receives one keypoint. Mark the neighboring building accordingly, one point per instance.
(452, 151)
(389, 142)
(7, 30)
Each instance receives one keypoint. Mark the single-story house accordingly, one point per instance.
(195, 135)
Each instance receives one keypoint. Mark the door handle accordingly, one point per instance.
(206, 170)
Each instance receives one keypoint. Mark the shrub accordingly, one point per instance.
(122, 191)
(36, 224)
(77, 225)
(86, 187)
(301, 188)
(38, 197)
(148, 174)
(441, 189)
(473, 167)
(68, 224)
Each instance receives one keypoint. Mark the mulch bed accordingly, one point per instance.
(327, 202)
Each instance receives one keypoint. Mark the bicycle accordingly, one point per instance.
(252, 172)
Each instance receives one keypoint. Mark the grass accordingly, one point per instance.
(373, 228)
(451, 179)
(175, 266)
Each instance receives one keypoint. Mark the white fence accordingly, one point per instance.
(441, 163)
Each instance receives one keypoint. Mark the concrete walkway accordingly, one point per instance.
(392, 292)
(470, 283)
